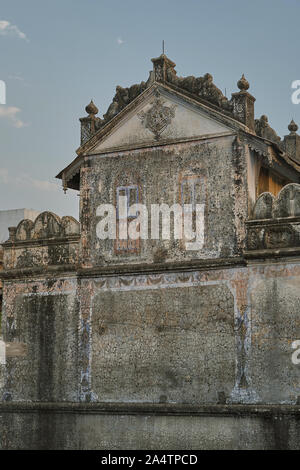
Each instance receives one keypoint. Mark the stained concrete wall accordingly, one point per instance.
(163, 345)
(158, 174)
(275, 324)
(2, 375)
(198, 337)
(44, 316)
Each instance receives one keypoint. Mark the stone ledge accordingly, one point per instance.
(272, 253)
(275, 221)
(155, 268)
(112, 270)
(151, 409)
(64, 269)
(42, 242)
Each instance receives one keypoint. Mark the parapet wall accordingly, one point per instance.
(274, 229)
(48, 241)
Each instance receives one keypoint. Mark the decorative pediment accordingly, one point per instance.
(161, 116)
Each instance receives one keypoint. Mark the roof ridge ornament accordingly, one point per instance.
(264, 130)
(161, 66)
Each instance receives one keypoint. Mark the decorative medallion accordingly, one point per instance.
(158, 117)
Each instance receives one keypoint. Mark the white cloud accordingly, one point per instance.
(19, 79)
(11, 113)
(26, 181)
(120, 41)
(16, 77)
(4, 175)
(8, 29)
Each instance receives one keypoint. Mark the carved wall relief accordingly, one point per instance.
(158, 117)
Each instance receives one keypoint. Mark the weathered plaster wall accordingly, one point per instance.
(158, 173)
(194, 337)
(43, 314)
(275, 324)
(203, 336)
(174, 344)
(252, 178)
(2, 372)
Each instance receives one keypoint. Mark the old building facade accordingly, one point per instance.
(143, 343)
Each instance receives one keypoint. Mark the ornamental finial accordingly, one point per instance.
(292, 127)
(243, 84)
(91, 108)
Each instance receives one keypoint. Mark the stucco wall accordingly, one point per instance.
(158, 173)
(204, 336)
(44, 316)
(173, 344)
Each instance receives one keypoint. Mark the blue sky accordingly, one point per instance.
(56, 56)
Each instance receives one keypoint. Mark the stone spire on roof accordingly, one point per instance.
(292, 127)
(243, 104)
(243, 84)
(91, 123)
(161, 66)
(91, 108)
(292, 142)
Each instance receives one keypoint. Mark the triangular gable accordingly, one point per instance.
(160, 116)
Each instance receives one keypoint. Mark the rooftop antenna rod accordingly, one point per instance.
(163, 47)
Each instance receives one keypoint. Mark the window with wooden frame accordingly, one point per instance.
(269, 181)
